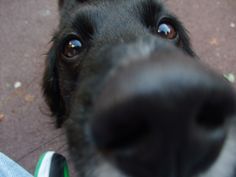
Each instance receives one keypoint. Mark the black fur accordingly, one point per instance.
(119, 41)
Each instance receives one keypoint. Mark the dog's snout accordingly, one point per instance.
(164, 113)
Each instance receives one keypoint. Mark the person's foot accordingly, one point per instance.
(51, 164)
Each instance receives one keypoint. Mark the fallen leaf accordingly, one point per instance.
(29, 98)
(214, 41)
(2, 116)
(230, 77)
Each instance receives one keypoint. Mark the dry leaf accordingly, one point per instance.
(230, 77)
(2, 116)
(29, 98)
(214, 41)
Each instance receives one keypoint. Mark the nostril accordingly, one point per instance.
(118, 127)
(211, 116)
(214, 112)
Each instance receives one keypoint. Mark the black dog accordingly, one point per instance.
(135, 100)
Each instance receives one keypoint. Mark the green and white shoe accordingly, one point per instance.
(51, 164)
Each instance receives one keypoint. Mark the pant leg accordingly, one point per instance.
(9, 168)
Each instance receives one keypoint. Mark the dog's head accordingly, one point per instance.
(135, 99)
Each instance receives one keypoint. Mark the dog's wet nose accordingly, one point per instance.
(165, 114)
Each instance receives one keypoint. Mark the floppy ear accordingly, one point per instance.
(51, 89)
(60, 3)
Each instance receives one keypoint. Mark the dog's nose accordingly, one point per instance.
(167, 114)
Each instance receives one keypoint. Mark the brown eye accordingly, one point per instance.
(166, 30)
(72, 47)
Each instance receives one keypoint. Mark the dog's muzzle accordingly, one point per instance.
(164, 115)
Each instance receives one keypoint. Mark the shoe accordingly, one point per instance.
(51, 164)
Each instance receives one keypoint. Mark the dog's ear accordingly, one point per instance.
(51, 89)
(62, 2)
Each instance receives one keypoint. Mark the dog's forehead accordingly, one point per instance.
(114, 1)
(72, 7)
(105, 12)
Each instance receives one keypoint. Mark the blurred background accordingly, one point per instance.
(26, 27)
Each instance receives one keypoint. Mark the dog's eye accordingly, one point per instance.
(72, 47)
(166, 30)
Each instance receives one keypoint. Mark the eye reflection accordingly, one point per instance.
(167, 31)
(72, 48)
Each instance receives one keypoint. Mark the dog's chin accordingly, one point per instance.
(105, 169)
(224, 166)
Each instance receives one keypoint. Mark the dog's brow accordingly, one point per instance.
(83, 24)
(149, 11)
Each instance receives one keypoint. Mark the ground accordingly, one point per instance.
(26, 130)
